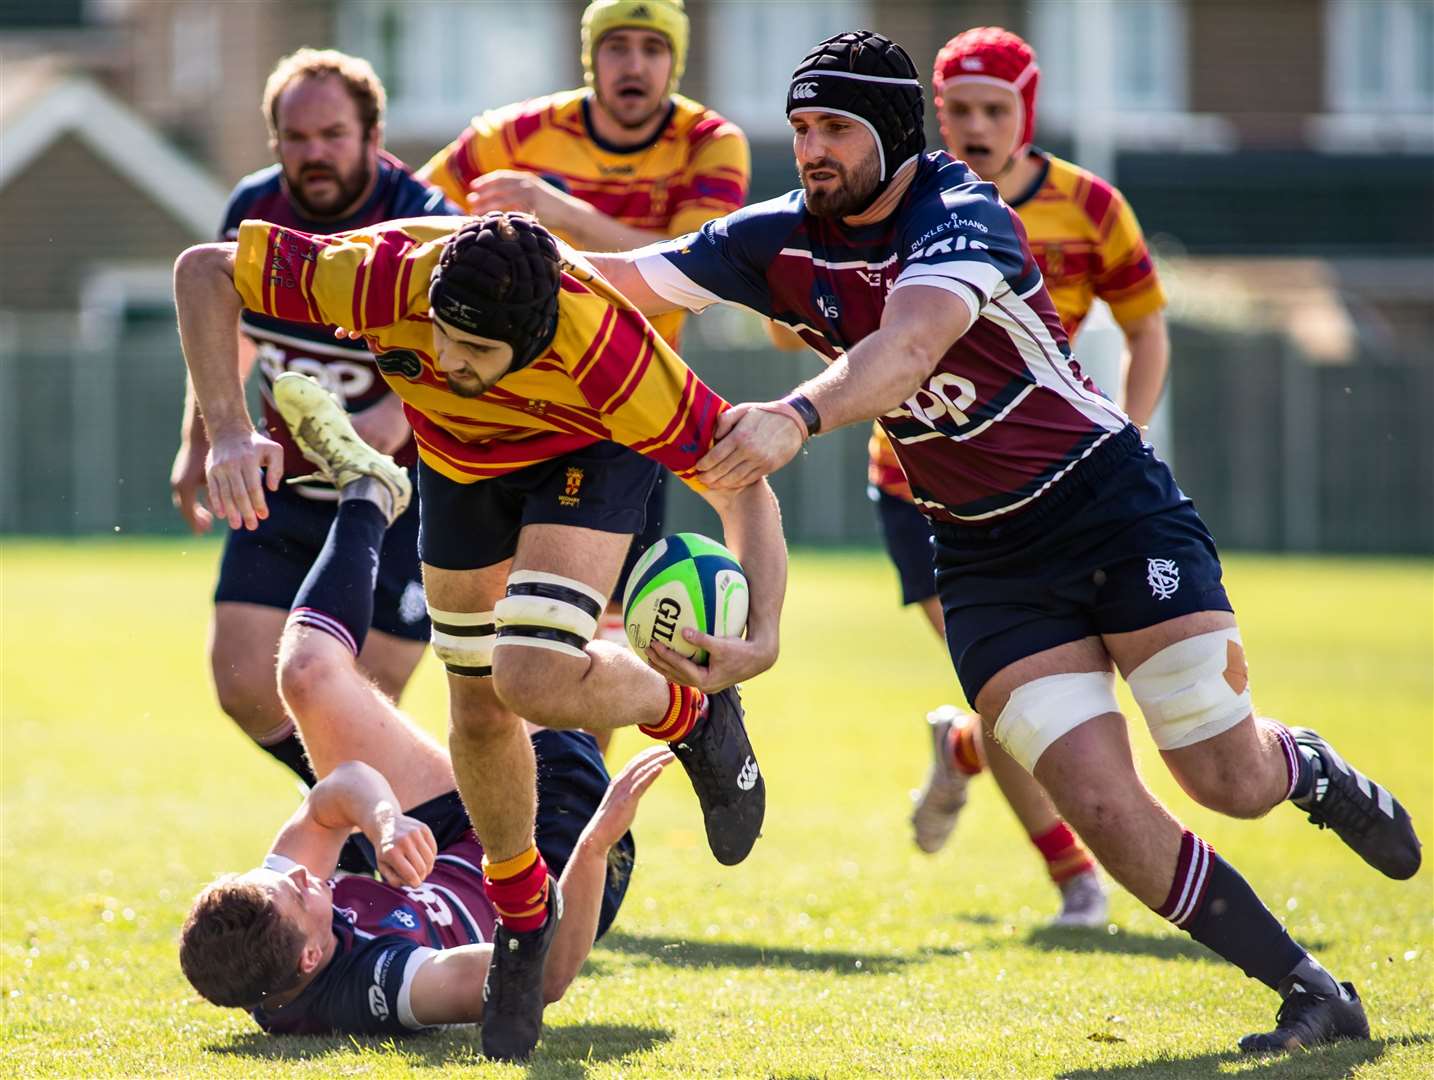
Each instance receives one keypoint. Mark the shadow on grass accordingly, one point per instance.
(708, 954)
(1124, 942)
(1323, 1063)
(564, 1054)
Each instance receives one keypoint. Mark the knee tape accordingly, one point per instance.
(1193, 690)
(1043, 710)
(464, 641)
(548, 611)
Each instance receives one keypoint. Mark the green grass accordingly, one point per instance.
(835, 950)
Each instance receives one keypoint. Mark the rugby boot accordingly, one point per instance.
(326, 437)
(513, 989)
(720, 763)
(939, 802)
(1307, 1019)
(1362, 814)
(1083, 901)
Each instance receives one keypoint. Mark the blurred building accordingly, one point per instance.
(1279, 154)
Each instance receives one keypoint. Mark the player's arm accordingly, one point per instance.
(920, 323)
(620, 269)
(186, 475)
(356, 796)
(240, 460)
(1147, 340)
(587, 226)
(448, 988)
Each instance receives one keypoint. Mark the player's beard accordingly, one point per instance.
(853, 190)
(633, 122)
(348, 186)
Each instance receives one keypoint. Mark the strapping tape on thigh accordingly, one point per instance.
(1193, 690)
(548, 611)
(1041, 711)
(464, 641)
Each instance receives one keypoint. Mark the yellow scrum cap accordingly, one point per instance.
(666, 17)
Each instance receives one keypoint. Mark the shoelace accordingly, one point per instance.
(1350, 809)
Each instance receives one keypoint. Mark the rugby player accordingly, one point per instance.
(306, 955)
(1088, 245)
(620, 163)
(324, 110)
(1063, 546)
(521, 370)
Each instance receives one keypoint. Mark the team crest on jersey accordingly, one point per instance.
(403, 363)
(1053, 260)
(412, 605)
(1163, 577)
(572, 484)
(400, 918)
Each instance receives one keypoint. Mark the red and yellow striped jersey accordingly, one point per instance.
(606, 376)
(694, 169)
(1086, 240)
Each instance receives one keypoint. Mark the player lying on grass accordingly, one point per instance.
(521, 371)
(1064, 549)
(308, 955)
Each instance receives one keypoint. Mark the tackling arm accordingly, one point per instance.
(622, 273)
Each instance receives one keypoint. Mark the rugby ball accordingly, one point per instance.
(686, 580)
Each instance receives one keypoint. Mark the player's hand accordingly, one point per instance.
(619, 805)
(186, 477)
(238, 468)
(406, 850)
(751, 443)
(730, 660)
(508, 189)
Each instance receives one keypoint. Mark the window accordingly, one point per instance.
(755, 48)
(441, 62)
(1380, 56)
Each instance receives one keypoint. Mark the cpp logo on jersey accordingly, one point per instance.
(804, 91)
(1163, 577)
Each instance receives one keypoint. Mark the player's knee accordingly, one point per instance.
(544, 624)
(533, 685)
(1193, 690)
(1043, 710)
(308, 667)
(246, 692)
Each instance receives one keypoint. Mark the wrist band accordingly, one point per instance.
(811, 419)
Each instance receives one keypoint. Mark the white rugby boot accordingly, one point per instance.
(1083, 901)
(939, 802)
(325, 436)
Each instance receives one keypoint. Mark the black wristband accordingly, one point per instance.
(807, 411)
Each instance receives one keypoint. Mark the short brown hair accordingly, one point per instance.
(357, 74)
(235, 947)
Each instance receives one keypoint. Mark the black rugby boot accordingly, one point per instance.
(719, 761)
(1307, 1019)
(1362, 813)
(513, 990)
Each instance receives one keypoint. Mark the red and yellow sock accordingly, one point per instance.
(964, 746)
(1065, 855)
(685, 706)
(518, 888)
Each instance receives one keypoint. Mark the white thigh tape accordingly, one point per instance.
(464, 641)
(548, 611)
(1040, 712)
(1193, 690)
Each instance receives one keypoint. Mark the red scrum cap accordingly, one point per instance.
(997, 57)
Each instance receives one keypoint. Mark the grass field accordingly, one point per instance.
(836, 950)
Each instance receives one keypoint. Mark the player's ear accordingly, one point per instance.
(310, 957)
(375, 135)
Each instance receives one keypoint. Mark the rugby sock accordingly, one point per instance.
(288, 750)
(1066, 857)
(1212, 903)
(685, 707)
(964, 745)
(337, 595)
(518, 888)
(1300, 763)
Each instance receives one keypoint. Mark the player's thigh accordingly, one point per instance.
(243, 645)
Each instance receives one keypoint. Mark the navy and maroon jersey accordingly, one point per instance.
(384, 935)
(1007, 411)
(344, 367)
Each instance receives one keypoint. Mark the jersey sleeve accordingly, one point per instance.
(718, 176)
(966, 242)
(477, 150)
(725, 260)
(1126, 277)
(360, 281)
(366, 990)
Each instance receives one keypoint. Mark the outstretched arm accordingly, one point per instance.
(919, 325)
(241, 461)
(621, 271)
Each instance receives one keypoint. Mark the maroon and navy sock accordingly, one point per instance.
(1212, 903)
(288, 750)
(337, 594)
(1299, 764)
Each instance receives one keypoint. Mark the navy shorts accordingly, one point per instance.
(470, 526)
(267, 566)
(572, 780)
(906, 532)
(652, 530)
(1117, 548)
